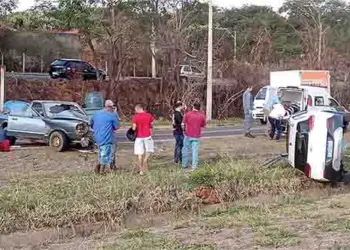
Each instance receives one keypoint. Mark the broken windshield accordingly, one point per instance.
(63, 109)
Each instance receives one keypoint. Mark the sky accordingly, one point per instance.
(26, 4)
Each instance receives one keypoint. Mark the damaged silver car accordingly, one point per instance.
(58, 123)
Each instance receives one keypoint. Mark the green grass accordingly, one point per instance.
(277, 237)
(340, 224)
(67, 199)
(145, 241)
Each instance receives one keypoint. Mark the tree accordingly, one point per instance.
(7, 6)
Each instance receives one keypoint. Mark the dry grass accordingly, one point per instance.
(68, 199)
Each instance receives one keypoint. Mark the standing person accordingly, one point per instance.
(105, 124)
(193, 121)
(275, 118)
(144, 146)
(248, 109)
(178, 131)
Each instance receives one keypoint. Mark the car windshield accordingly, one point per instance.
(261, 94)
(63, 109)
(59, 63)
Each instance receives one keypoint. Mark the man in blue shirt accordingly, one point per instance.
(104, 123)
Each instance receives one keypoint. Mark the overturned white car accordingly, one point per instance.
(315, 143)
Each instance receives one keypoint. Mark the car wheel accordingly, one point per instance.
(262, 122)
(58, 141)
(12, 140)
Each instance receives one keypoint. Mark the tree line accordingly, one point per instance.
(310, 34)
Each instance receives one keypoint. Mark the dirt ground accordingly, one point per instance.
(42, 160)
(316, 219)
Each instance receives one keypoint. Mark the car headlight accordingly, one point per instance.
(82, 129)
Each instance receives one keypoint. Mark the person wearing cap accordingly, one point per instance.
(275, 119)
(104, 124)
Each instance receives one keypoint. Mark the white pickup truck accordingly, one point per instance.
(302, 88)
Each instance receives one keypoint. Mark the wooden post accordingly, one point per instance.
(2, 88)
(24, 62)
(42, 64)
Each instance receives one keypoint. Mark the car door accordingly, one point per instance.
(26, 123)
(196, 72)
(89, 72)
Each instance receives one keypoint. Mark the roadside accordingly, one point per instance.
(166, 124)
(261, 207)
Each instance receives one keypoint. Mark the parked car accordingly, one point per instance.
(188, 72)
(69, 68)
(58, 123)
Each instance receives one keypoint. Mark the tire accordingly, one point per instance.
(263, 122)
(58, 141)
(12, 140)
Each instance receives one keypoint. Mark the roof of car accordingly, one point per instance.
(69, 60)
(52, 101)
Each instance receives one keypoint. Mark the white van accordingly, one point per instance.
(315, 143)
(303, 96)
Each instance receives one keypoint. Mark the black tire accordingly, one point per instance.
(12, 140)
(263, 122)
(58, 141)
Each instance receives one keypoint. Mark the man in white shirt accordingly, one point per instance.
(275, 119)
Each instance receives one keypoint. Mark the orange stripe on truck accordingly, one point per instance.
(316, 78)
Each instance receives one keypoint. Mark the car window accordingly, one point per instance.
(59, 63)
(261, 94)
(187, 69)
(319, 101)
(87, 66)
(333, 103)
(24, 112)
(196, 70)
(38, 107)
(62, 109)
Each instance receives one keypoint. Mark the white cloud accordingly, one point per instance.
(26, 4)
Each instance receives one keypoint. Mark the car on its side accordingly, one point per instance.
(72, 68)
(58, 123)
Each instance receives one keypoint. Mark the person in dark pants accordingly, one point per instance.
(178, 131)
(275, 119)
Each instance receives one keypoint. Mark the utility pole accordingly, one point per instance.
(210, 63)
(320, 44)
(153, 49)
(24, 62)
(2, 88)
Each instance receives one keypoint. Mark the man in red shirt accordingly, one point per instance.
(144, 146)
(193, 121)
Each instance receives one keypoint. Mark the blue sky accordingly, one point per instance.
(26, 4)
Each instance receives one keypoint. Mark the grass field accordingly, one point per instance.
(56, 202)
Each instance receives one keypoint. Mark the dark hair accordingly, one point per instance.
(197, 106)
(178, 104)
(139, 106)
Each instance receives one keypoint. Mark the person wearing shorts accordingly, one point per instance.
(104, 124)
(144, 145)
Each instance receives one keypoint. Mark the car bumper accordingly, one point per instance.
(258, 114)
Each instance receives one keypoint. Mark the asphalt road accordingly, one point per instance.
(166, 135)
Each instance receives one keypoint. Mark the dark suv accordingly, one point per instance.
(71, 68)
